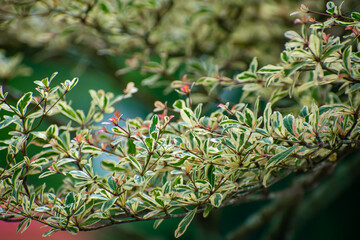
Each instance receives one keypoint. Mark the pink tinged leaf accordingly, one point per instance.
(113, 120)
(162, 116)
(78, 138)
(185, 89)
(294, 129)
(117, 114)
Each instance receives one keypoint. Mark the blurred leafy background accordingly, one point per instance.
(188, 37)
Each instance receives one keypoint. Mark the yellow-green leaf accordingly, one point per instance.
(185, 222)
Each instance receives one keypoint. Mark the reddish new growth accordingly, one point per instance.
(188, 169)
(116, 118)
(53, 168)
(185, 88)
(227, 109)
(103, 128)
(326, 37)
(78, 138)
(163, 116)
(117, 114)
(353, 29)
(304, 20)
(113, 120)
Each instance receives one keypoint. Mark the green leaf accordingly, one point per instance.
(135, 163)
(249, 117)
(330, 7)
(108, 204)
(53, 76)
(157, 223)
(262, 132)
(280, 156)
(267, 140)
(138, 180)
(46, 174)
(154, 121)
(24, 102)
(198, 111)
(207, 81)
(253, 65)
(289, 123)
(79, 174)
(246, 76)
(152, 213)
(270, 69)
(42, 209)
(285, 57)
(185, 222)
(292, 35)
(153, 67)
(72, 229)
(229, 121)
(256, 108)
(179, 104)
(131, 147)
(69, 112)
(150, 199)
(355, 15)
(207, 210)
(48, 233)
(2, 95)
(292, 68)
(267, 117)
(24, 224)
(210, 174)
(64, 161)
(112, 183)
(111, 166)
(68, 85)
(69, 199)
(346, 59)
(80, 210)
(149, 143)
(315, 44)
(331, 50)
(186, 115)
(174, 172)
(40, 135)
(266, 178)
(355, 87)
(342, 23)
(228, 143)
(104, 7)
(216, 199)
(91, 220)
(178, 141)
(7, 121)
(276, 119)
(304, 112)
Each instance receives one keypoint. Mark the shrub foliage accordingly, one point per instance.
(178, 161)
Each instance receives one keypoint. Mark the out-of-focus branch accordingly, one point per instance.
(283, 200)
